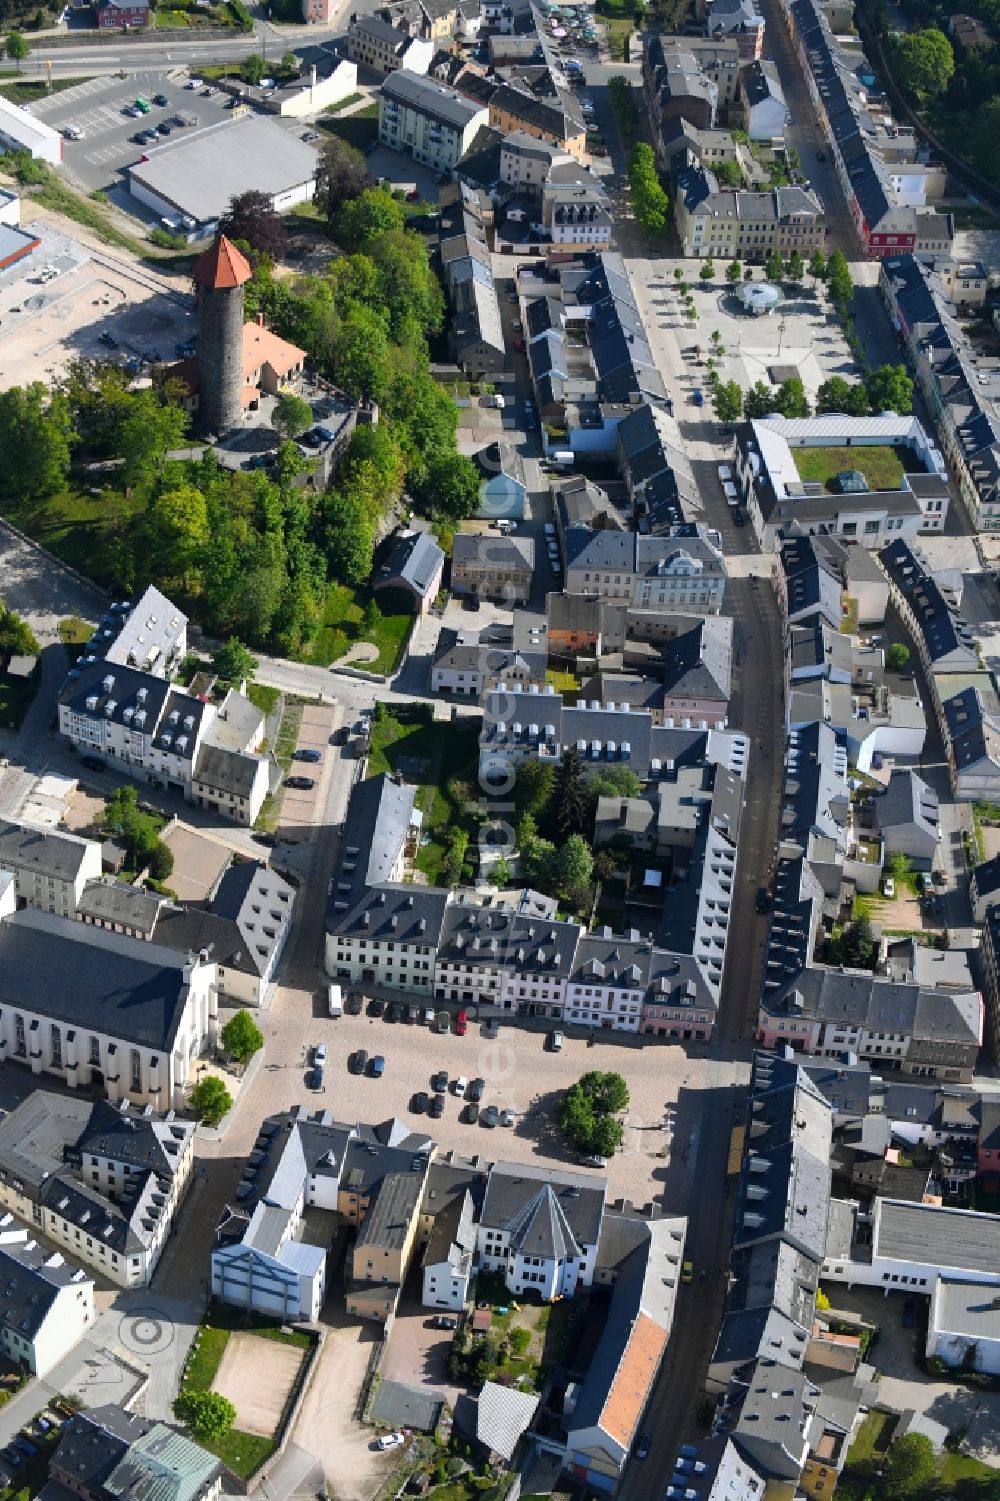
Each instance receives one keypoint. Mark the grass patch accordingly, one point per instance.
(442, 766)
(288, 734)
(171, 20)
(263, 697)
(359, 131)
(343, 624)
(76, 526)
(954, 1468)
(342, 104)
(849, 622)
(59, 198)
(75, 632)
(872, 1438)
(27, 90)
(882, 466)
(562, 682)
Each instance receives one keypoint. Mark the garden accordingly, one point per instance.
(350, 615)
(882, 465)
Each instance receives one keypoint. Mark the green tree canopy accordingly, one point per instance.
(340, 176)
(707, 271)
(890, 389)
(234, 662)
(534, 787)
(833, 395)
(572, 867)
(292, 415)
(727, 398)
(361, 353)
(729, 175)
(175, 533)
(253, 69)
(349, 537)
(242, 1037)
(734, 272)
(373, 212)
(16, 636)
(759, 400)
(838, 278)
(208, 1414)
(35, 437)
(790, 399)
(587, 1113)
(857, 944)
(897, 656)
(774, 266)
(451, 485)
(925, 60)
(648, 199)
(569, 796)
(210, 1100)
(795, 267)
(614, 781)
(817, 265)
(150, 429)
(909, 1469)
(17, 47)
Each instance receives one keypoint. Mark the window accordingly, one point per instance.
(20, 1047)
(55, 1042)
(136, 1063)
(95, 1052)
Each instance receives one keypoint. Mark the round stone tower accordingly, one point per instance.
(219, 275)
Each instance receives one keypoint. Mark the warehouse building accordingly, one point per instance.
(20, 131)
(193, 177)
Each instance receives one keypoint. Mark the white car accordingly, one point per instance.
(194, 83)
(390, 1440)
(319, 1053)
(507, 1117)
(460, 1086)
(550, 530)
(888, 887)
(725, 474)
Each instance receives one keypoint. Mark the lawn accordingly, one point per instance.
(27, 90)
(75, 525)
(957, 1475)
(342, 104)
(263, 697)
(343, 623)
(441, 762)
(359, 131)
(882, 466)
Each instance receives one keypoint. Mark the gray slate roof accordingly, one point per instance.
(44, 852)
(544, 1207)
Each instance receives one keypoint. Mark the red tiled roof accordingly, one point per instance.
(222, 266)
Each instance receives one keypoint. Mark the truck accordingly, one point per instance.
(334, 1000)
(563, 458)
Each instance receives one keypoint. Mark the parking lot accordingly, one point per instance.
(299, 804)
(107, 147)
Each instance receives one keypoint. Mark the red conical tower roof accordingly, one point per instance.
(222, 267)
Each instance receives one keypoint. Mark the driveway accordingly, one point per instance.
(198, 863)
(326, 1427)
(418, 1354)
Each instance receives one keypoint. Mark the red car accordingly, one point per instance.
(518, 343)
(461, 1024)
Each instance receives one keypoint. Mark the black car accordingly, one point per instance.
(165, 128)
(394, 1011)
(161, 100)
(306, 755)
(444, 1322)
(108, 339)
(475, 1090)
(739, 519)
(303, 783)
(439, 1083)
(358, 1061)
(376, 1007)
(354, 1004)
(763, 902)
(471, 1112)
(420, 1102)
(314, 1078)
(437, 1107)
(490, 1116)
(270, 840)
(92, 763)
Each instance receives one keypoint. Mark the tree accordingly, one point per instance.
(208, 1414)
(838, 278)
(727, 399)
(349, 537)
(253, 68)
(160, 861)
(817, 266)
(175, 531)
(233, 662)
(909, 1468)
(35, 437)
(857, 944)
(648, 199)
(729, 174)
(569, 798)
(774, 266)
(615, 781)
(586, 1114)
(608, 1092)
(451, 487)
(373, 212)
(210, 1100)
(501, 874)
(897, 656)
(340, 175)
(150, 429)
(533, 788)
(251, 217)
(791, 400)
(759, 400)
(16, 636)
(707, 272)
(292, 415)
(289, 63)
(890, 389)
(833, 395)
(242, 1037)
(361, 354)
(734, 273)
(607, 1136)
(17, 48)
(925, 60)
(795, 268)
(572, 866)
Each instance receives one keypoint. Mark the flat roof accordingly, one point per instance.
(199, 173)
(958, 1239)
(21, 125)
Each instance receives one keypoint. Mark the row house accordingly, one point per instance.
(680, 571)
(961, 395)
(732, 223)
(427, 121)
(50, 868)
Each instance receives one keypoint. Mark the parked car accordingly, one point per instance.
(358, 1061)
(306, 755)
(314, 1078)
(310, 135)
(319, 1053)
(439, 1083)
(393, 1011)
(461, 1024)
(507, 1117)
(92, 763)
(377, 1067)
(354, 1005)
(301, 783)
(437, 1107)
(459, 1086)
(593, 1160)
(471, 1112)
(161, 100)
(108, 339)
(420, 1102)
(376, 1007)
(763, 900)
(390, 1440)
(165, 128)
(888, 887)
(444, 1321)
(490, 1116)
(687, 1271)
(475, 1090)
(643, 1447)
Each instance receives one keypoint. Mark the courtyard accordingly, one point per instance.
(259, 1404)
(882, 465)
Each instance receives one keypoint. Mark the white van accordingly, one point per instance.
(556, 1040)
(731, 493)
(334, 1000)
(563, 458)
